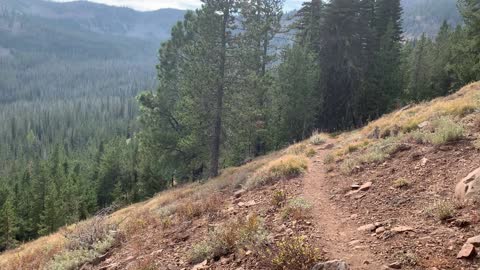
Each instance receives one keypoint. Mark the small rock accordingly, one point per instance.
(475, 241)
(467, 251)
(366, 186)
(355, 186)
(248, 253)
(395, 265)
(380, 230)
(367, 228)
(332, 265)
(202, 265)
(238, 193)
(424, 161)
(250, 203)
(401, 229)
(354, 242)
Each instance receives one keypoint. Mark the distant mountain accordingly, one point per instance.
(83, 28)
(426, 16)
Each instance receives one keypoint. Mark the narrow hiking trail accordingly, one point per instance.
(339, 236)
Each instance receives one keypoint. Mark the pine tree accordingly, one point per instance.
(8, 224)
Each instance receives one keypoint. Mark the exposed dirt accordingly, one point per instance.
(338, 234)
(408, 237)
(432, 173)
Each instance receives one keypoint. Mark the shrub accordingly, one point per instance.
(293, 253)
(446, 130)
(210, 204)
(476, 144)
(401, 183)
(279, 198)
(329, 158)
(297, 209)
(232, 236)
(310, 152)
(297, 149)
(318, 138)
(85, 242)
(349, 165)
(441, 210)
(286, 167)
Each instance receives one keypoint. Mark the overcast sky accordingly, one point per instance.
(179, 4)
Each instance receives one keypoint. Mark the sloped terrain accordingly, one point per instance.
(380, 198)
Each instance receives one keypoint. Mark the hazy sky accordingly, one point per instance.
(179, 4)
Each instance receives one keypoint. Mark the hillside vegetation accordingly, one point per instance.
(237, 212)
(75, 142)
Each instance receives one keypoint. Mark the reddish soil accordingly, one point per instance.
(427, 243)
(433, 173)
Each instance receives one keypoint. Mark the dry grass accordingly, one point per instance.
(291, 253)
(297, 209)
(460, 104)
(401, 183)
(441, 210)
(318, 138)
(242, 233)
(286, 167)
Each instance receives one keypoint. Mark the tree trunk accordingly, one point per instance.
(217, 128)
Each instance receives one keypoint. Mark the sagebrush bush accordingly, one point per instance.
(297, 149)
(349, 165)
(279, 198)
(329, 159)
(441, 210)
(286, 167)
(318, 138)
(446, 130)
(293, 253)
(85, 242)
(230, 237)
(401, 183)
(297, 209)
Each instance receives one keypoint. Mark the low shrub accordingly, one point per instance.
(279, 198)
(401, 183)
(441, 210)
(348, 165)
(286, 167)
(446, 130)
(329, 159)
(293, 253)
(297, 149)
(232, 236)
(318, 138)
(85, 242)
(297, 209)
(310, 152)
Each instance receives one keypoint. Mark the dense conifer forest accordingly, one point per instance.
(225, 93)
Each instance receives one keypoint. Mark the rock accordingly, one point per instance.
(424, 161)
(424, 124)
(395, 265)
(475, 241)
(366, 186)
(367, 228)
(400, 229)
(355, 186)
(354, 242)
(467, 251)
(380, 230)
(469, 187)
(238, 193)
(250, 203)
(202, 265)
(332, 265)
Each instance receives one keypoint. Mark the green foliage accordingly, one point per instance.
(297, 209)
(291, 253)
(446, 130)
(229, 238)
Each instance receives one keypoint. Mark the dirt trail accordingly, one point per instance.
(335, 227)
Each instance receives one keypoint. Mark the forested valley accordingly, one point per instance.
(234, 82)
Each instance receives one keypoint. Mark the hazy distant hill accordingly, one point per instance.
(426, 16)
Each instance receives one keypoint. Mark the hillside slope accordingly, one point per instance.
(378, 197)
